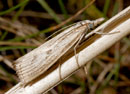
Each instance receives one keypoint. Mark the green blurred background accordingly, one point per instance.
(24, 25)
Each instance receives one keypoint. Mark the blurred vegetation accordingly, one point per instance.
(24, 25)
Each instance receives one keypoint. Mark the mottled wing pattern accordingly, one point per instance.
(40, 59)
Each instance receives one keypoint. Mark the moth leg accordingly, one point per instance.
(87, 67)
(60, 76)
(76, 55)
(101, 32)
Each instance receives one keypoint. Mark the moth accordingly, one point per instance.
(36, 62)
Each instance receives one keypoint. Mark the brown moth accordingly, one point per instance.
(36, 62)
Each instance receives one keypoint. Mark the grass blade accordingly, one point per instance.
(49, 10)
(62, 7)
(106, 6)
(13, 8)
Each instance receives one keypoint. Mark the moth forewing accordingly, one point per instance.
(40, 59)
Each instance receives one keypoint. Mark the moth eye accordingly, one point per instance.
(90, 26)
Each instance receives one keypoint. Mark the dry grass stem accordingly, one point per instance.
(17, 43)
(6, 61)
